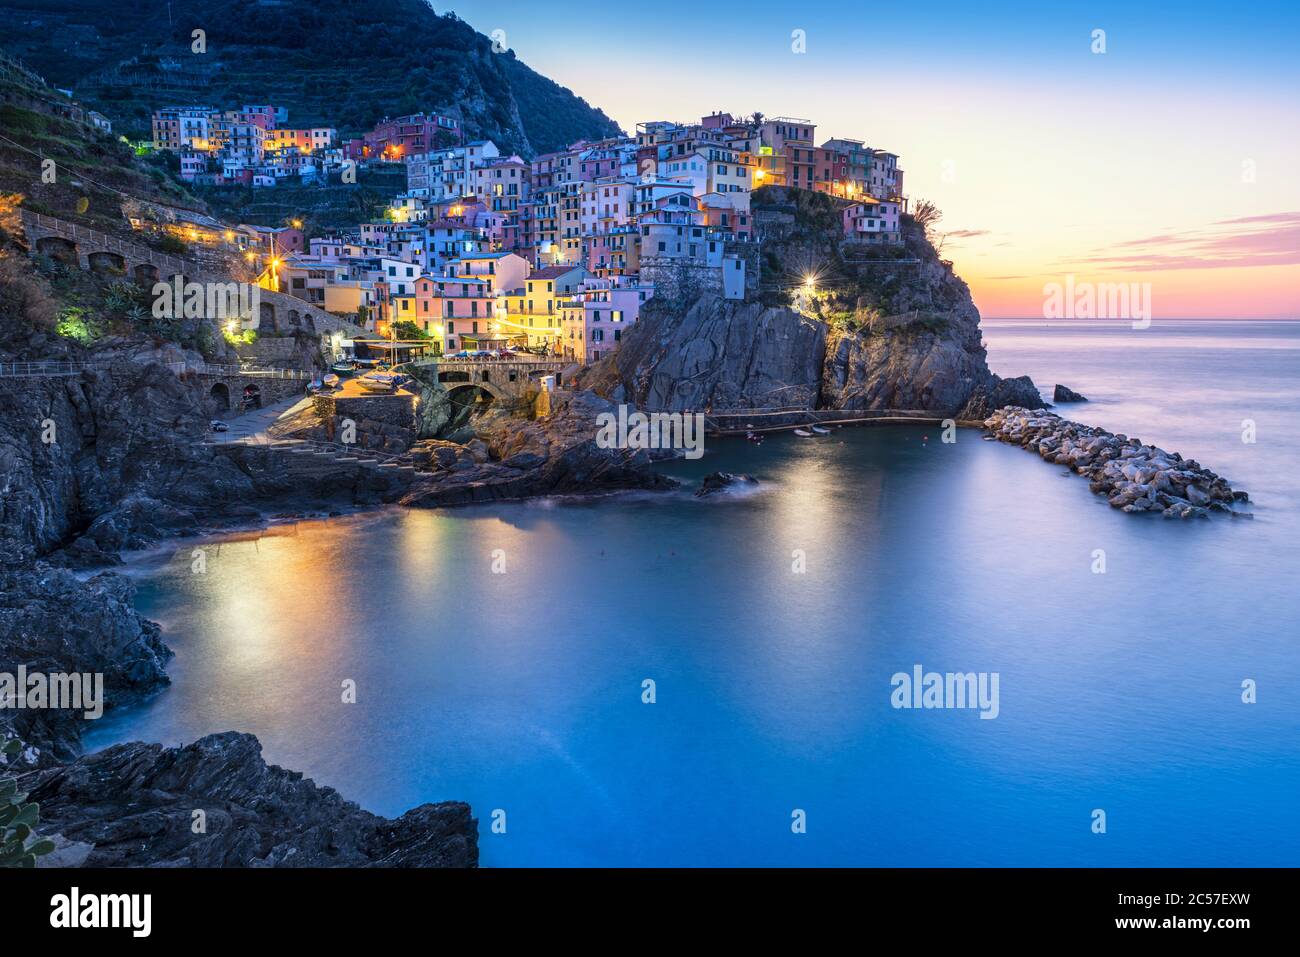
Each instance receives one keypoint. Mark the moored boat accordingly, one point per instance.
(378, 382)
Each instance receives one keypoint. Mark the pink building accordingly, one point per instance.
(395, 139)
(873, 221)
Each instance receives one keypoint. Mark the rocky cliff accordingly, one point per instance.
(56, 624)
(883, 327)
(133, 805)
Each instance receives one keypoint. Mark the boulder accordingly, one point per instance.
(716, 482)
(134, 805)
(1063, 394)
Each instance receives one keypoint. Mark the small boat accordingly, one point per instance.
(820, 430)
(343, 368)
(329, 380)
(803, 433)
(378, 382)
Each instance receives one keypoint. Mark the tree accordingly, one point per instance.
(406, 329)
(927, 214)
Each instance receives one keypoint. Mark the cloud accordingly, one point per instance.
(1271, 239)
(966, 233)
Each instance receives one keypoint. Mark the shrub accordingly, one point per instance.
(17, 820)
(77, 324)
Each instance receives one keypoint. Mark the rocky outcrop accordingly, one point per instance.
(716, 482)
(904, 368)
(1062, 394)
(996, 393)
(135, 805)
(51, 622)
(714, 353)
(1133, 476)
(104, 461)
(877, 336)
(517, 458)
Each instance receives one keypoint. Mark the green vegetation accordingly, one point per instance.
(17, 819)
(406, 329)
(76, 323)
(321, 207)
(240, 337)
(855, 287)
(333, 62)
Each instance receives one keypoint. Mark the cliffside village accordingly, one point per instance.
(557, 254)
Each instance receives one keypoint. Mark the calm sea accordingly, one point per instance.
(522, 692)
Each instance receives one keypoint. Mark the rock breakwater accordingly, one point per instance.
(1134, 476)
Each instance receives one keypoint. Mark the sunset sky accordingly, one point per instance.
(1171, 159)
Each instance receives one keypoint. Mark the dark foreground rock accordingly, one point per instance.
(1133, 476)
(518, 458)
(716, 482)
(52, 622)
(1063, 394)
(135, 805)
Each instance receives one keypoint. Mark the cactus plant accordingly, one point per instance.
(17, 819)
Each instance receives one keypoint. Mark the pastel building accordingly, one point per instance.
(595, 318)
(534, 311)
(872, 220)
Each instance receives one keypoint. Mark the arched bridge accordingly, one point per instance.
(501, 378)
(278, 313)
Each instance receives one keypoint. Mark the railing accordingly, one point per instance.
(207, 368)
(497, 361)
(55, 367)
(760, 420)
(42, 368)
(107, 242)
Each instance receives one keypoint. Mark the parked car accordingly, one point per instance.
(216, 425)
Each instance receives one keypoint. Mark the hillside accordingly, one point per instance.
(883, 327)
(330, 62)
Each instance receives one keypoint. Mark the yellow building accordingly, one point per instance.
(534, 310)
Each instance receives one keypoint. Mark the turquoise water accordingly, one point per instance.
(522, 691)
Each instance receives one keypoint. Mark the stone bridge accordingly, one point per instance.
(232, 389)
(509, 379)
(92, 250)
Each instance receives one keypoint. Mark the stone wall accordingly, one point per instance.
(383, 422)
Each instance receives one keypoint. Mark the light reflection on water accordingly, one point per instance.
(522, 690)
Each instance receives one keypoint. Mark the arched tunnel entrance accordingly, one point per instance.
(59, 249)
(220, 396)
(467, 401)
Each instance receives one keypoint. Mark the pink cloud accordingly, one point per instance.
(1272, 239)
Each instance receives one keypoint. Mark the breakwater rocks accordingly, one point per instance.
(134, 805)
(1133, 476)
